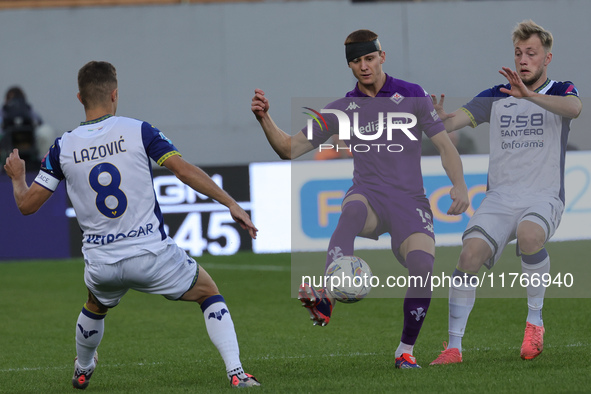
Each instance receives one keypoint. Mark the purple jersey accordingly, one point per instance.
(384, 136)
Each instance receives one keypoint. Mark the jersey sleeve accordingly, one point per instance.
(479, 108)
(429, 121)
(567, 89)
(51, 173)
(157, 146)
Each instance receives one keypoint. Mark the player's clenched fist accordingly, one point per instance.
(260, 104)
(15, 166)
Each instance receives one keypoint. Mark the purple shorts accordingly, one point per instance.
(399, 214)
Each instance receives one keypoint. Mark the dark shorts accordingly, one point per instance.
(399, 215)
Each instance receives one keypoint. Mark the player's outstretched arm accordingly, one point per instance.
(199, 181)
(567, 106)
(452, 163)
(453, 121)
(28, 199)
(286, 146)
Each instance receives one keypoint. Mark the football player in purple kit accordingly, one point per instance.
(529, 124)
(387, 195)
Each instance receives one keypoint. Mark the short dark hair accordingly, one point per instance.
(15, 92)
(362, 35)
(96, 82)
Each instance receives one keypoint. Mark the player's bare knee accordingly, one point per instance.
(530, 237)
(472, 257)
(204, 288)
(468, 261)
(530, 242)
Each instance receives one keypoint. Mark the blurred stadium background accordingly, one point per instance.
(190, 68)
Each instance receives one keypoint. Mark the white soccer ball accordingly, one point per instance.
(348, 279)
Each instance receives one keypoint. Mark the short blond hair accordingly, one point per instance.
(524, 30)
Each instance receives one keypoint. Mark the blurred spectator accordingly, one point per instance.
(23, 128)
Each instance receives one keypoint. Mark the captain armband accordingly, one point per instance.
(47, 181)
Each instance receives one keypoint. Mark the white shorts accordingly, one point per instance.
(171, 274)
(496, 220)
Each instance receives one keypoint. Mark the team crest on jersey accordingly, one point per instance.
(397, 98)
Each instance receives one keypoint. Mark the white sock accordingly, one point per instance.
(535, 294)
(403, 348)
(220, 328)
(89, 332)
(461, 302)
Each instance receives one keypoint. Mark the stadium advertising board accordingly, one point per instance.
(295, 205)
(311, 201)
(39, 236)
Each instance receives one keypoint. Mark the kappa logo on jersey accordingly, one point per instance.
(418, 313)
(397, 98)
(217, 314)
(87, 334)
(426, 218)
(353, 105)
(434, 114)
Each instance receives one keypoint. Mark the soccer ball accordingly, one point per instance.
(348, 279)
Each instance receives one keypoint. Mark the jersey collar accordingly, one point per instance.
(96, 120)
(538, 90)
(384, 91)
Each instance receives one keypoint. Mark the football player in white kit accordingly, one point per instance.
(529, 123)
(106, 165)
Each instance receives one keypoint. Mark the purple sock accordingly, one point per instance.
(418, 298)
(350, 224)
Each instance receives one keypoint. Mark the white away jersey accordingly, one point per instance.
(106, 165)
(527, 142)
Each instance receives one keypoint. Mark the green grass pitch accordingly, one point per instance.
(152, 345)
